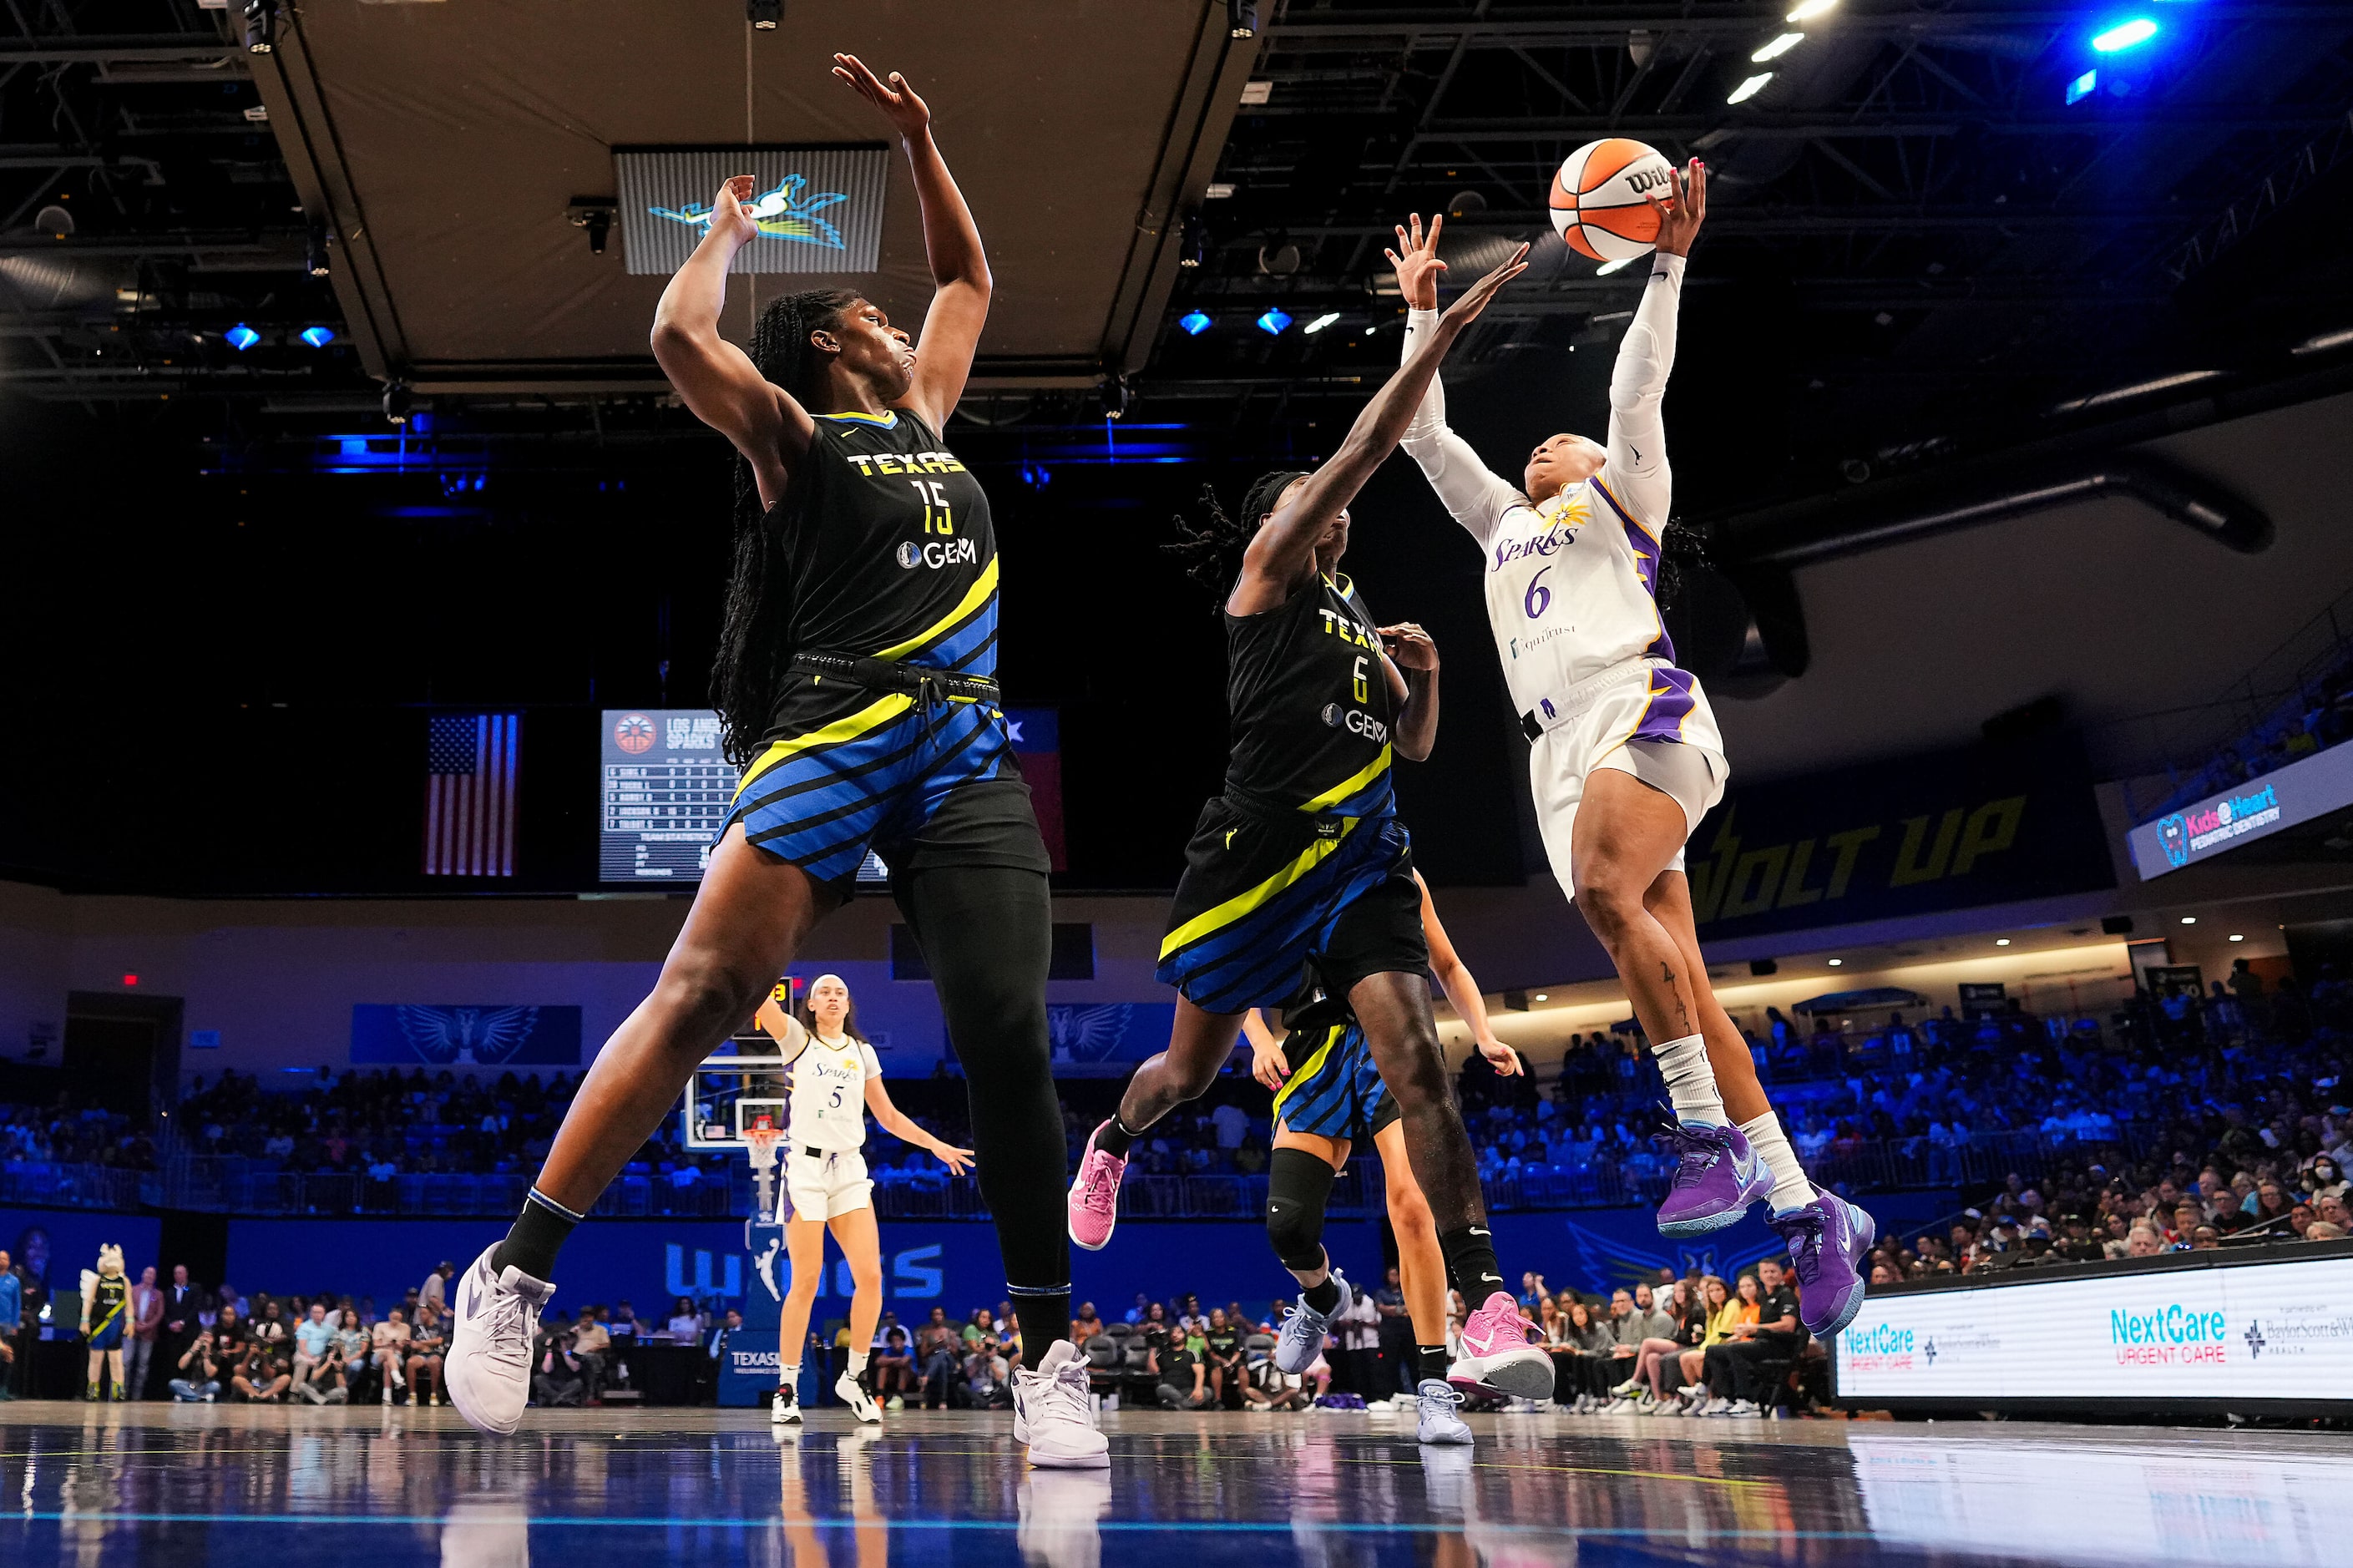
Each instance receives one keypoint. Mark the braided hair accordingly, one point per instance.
(1212, 548)
(755, 650)
(1682, 548)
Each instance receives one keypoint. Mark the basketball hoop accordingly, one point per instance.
(760, 1143)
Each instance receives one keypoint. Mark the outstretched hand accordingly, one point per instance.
(1417, 263)
(1475, 299)
(909, 115)
(730, 219)
(1502, 1057)
(1680, 218)
(957, 1161)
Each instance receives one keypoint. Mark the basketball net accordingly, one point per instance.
(760, 1144)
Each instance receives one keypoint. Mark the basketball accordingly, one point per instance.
(1600, 198)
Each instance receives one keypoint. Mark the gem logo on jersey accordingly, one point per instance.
(1356, 723)
(939, 552)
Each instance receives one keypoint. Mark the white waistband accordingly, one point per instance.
(1560, 707)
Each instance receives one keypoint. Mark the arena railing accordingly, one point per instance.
(226, 1184)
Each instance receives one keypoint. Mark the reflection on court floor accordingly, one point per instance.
(151, 1485)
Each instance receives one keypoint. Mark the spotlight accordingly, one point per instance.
(1195, 323)
(1836, 961)
(1241, 18)
(2083, 87)
(261, 26)
(594, 216)
(314, 251)
(1321, 321)
(1117, 396)
(1749, 88)
(1193, 242)
(1810, 9)
(318, 337)
(2001, 941)
(1274, 322)
(2236, 936)
(241, 337)
(398, 403)
(1778, 48)
(2124, 35)
(764, 15)
(1543, 996)
(2189, 920)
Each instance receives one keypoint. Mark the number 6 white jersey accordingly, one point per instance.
(1572, 583)
(829, 1095)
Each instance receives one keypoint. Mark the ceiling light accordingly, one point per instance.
(1606, 267)
(2189, 920)
(1218, 189)
(1543, 995)
(1778, 48)
(398, 403)
(1836, 961)
(2001, 941)
(1195, 322)
(1749, 88)
(764, 15)
(2325, 342)
(241, 337)
(1810, 9)
(1321, 321)
(1274, 322)
(2236, 937)
(2083, 87)
(2124, 35)
(318, 337)
(2137, 389)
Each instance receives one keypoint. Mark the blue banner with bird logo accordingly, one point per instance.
(409, 1035)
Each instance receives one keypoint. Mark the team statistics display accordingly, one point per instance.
(663, 793)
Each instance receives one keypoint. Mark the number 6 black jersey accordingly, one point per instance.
(891, 551)
(1310, 704)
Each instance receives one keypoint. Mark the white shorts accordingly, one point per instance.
(828, 1185)
(1645, 718)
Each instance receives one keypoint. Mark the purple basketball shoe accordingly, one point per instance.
(1718, 1177)
(1829, 1238)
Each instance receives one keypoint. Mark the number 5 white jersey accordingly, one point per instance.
(829, 1095)
(1572, 583)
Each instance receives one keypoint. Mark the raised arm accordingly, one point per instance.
(1468, 489)
(791, 1035)
(1455, 979)
(1636, 469)
(951, 331)
(1287, 543)
(718, 381)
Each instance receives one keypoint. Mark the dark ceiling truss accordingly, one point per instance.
(1914, 183)
(138, 120)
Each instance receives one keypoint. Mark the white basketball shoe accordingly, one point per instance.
(488, 1371)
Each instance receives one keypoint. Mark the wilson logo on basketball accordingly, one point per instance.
(1601, 198)
(634, 733)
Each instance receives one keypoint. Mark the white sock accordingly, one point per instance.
(1691, 1083)
(790, 1377)
(858, 1363)
(1791, 1188)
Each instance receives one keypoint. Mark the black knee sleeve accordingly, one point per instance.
(1298, 1185)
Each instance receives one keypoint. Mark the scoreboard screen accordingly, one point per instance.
(664, 794)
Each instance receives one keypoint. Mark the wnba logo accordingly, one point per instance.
(634, 733)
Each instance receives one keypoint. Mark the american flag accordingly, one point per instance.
(469, 794)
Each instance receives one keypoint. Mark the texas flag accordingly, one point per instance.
(1038, 742)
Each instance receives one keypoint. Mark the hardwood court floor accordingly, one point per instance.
(153, 1484)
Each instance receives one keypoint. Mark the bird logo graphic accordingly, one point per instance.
(474, 1036)
(787, 212)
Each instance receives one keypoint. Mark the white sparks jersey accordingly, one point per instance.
(1572, 583)
(829, 1094)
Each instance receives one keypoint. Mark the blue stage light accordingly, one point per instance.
(2083, 86)
(241, 337)
(1274, 322)
(318, 337)
(1194, 323)
(2124, 35)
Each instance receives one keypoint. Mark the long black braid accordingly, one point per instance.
(756, 647)
(1212, 550)
(1682, 548)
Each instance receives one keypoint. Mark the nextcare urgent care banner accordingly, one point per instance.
(2274, 1330)
(1949, 830)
